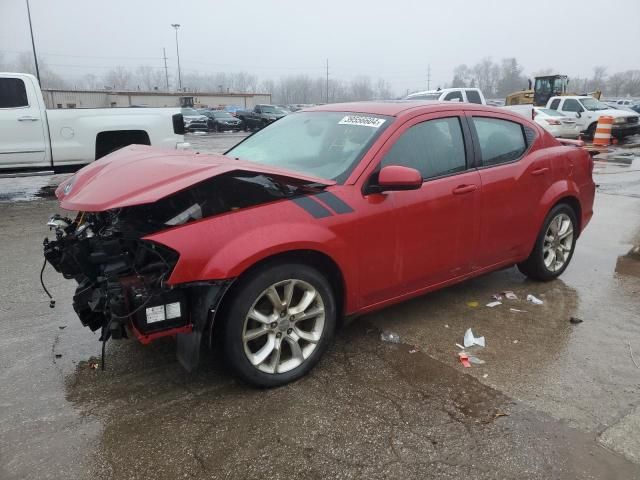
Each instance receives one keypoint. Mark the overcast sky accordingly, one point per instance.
(395, 40)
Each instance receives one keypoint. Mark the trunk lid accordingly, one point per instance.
(138, 174)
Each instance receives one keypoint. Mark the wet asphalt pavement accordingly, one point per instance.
(553, 400)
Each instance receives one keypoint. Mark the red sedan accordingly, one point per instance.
(328, 212)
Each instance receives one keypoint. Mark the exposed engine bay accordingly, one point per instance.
(122, 278)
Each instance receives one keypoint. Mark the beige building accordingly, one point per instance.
(111, 98)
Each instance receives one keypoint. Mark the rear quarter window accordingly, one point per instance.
(501, 141)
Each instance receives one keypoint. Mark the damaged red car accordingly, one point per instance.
(329, 212)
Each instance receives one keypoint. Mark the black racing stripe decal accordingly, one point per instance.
(334, 203)
(312, 207)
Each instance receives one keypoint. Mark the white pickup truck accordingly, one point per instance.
(587, 110)
(32, 137)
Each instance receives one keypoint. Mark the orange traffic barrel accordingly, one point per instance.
(602, 137)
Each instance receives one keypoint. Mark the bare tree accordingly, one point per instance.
(149, 78)
(118, 78)
(616, 82)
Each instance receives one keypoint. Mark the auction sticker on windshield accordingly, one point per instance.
(362, 121)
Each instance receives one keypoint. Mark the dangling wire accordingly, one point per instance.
(52, 302)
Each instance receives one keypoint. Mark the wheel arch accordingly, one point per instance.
(110, 140)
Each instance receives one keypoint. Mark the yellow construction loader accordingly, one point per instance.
(543, 89)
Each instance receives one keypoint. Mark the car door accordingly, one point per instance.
(435, 226)
(513, 183)
(572, 108)
(22, 140)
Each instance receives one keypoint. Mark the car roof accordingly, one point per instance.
(395, 108)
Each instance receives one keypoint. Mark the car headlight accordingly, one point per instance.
(620, 120)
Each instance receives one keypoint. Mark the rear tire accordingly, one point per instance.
(554, 246)
(263, 342)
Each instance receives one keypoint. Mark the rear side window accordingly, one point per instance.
(555, 104)
(434, 148)
(501, 141)
(454, 97)
(473, 97)
(13, 93)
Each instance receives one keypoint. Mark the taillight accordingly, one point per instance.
(552, 121)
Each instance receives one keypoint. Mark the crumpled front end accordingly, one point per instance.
(121, 277)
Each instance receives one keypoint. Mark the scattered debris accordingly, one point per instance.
(58, 355)
(414, 350)
(500, 414)
(575, 320)
(446, 325)
(62, 327)
(390, 337)
(515, 341)
(485, 375)
(459, 346)
(631, 353)
(475, 360)
(516, 310)
(464, 359)
(493, 304)
(470, 340)
(534, 300)
(93, 365)
(472, 304)
(496, 297)
(509, 295)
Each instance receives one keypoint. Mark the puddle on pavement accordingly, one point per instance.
(368, 407)
(26, 189)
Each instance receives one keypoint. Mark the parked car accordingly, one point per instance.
(194, 121)
(621, 103)
(587, 110)
(33, 137)
(222, 121)
(470, 95)
(232, 109)
(260, 116)
(332, 212)
(556, 123)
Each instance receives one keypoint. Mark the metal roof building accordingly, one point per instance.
(58, 98)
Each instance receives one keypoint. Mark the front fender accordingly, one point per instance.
(225, 246)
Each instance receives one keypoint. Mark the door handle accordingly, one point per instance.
(462, 189)
(28, 119)
(540, 171)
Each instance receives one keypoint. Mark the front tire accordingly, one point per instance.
(278, 324)
(554, 246)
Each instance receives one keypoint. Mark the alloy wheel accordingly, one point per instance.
(558, 242)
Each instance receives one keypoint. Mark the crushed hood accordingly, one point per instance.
(137, 175)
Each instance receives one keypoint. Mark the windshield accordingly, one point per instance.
(593, 104)
(190, 112)
(322, 144)
(222, 115)
(269, 109)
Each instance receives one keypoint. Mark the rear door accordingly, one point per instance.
(513, 182)
(436, 225)
(22, 140)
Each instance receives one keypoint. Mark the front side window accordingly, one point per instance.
(13, 93)
(454, 97)
(434, 148)
(474, 97)
(571, 105)
(555, 104)
(501, 141)
(322, 144)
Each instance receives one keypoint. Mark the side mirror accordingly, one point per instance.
(578, 115)
(396, 177)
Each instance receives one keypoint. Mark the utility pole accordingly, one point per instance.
(166, 72)
(327, 80)
(428, 77)
(33, 44)
(177, 26)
